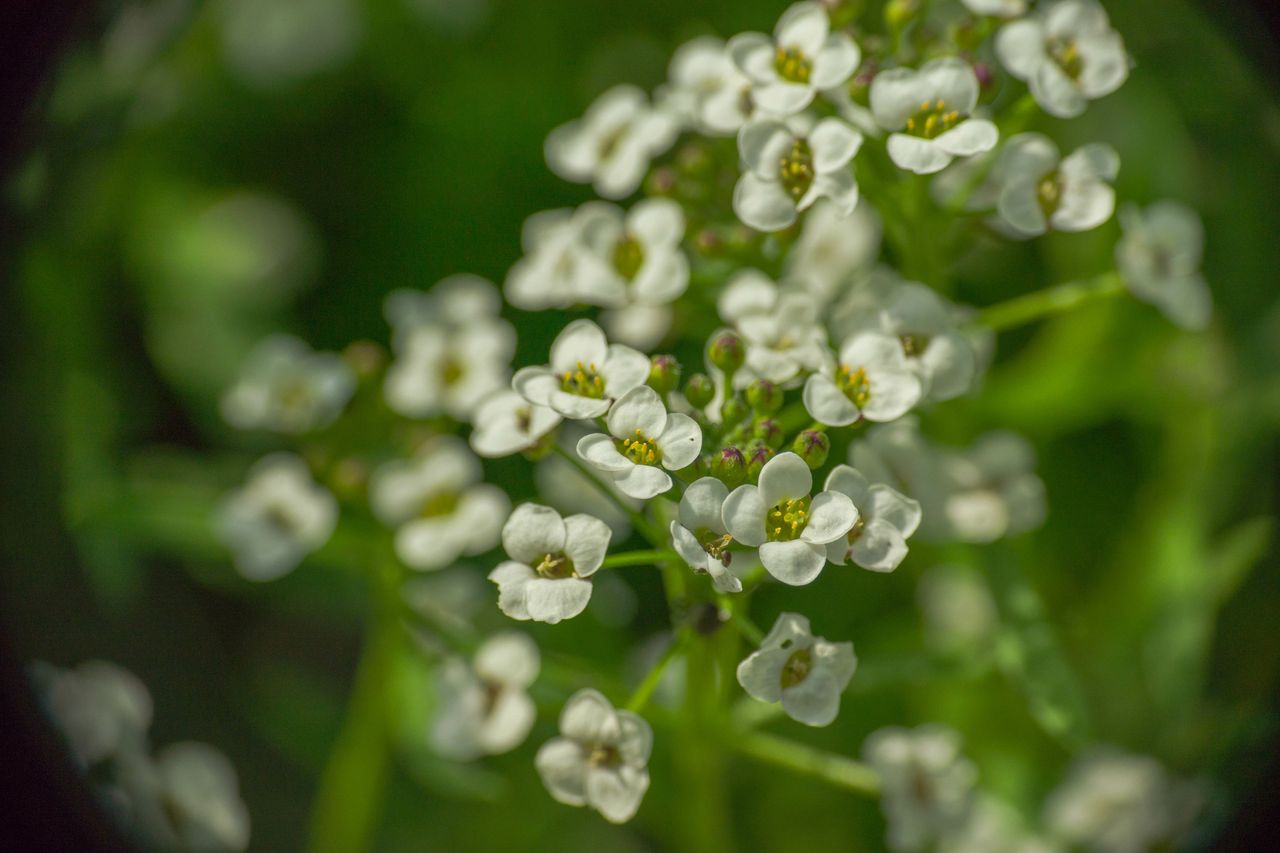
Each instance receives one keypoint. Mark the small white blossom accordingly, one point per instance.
(1116, 802)
(833, 249)
(546, 579)
(452, 352)
(507, 423)
(699, 535)
(996, 8)
(994, 826)
(788, 167)
(930, 112)
(803, 58)
(805, 673)
(612, 145)
(557, 270)
(486, 708)
(1159, 257)
(782, 331)
(276, 518)
(791, 528)
(926, 783)
(585, 375)
(645, 439)
(871, 382)
(436, 501)
(886, 519)
(927, 326)
(707, 89)
(102, 709)
(287, 387)
(958, 610)
(188, 798)
(992, 489)
(1067, 53)
(600, 759)
(1039, 191)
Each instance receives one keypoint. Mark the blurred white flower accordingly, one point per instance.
(188, 798)
(1067, 53)
(803, 672)
(700, 536)
(789, 166)
(927, 327)
(438, 504)
(802, 58)
(886, 519)
(276, 518)
(992, 488)
(926, 783)
(546, 579)
(285, 386)
(872, 381)
(612, 145)
(790, 527)
(507, 423)
(781, 329)
(994, 826)
(1038, 191)
(930, 112)
(277, 43)
(996, 8)
(557, 270)
(640, 249)
(600, 759)
(706, 89)
(100, 708)
(485, 706)
(956, 605)
(585, 375)
(1159, 257)
(833, 249)
(646, 438)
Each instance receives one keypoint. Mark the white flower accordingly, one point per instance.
(791, 528)
(996, 8)
(640, 249)
(1115, 802)
(449, 360)
(600, 758)
(994, 826)
(930, 112)
(872, 382)
(991, 490)
(833, 249)
(789, 167)
(567, 489)
(611, 146)
(707, 89)
(803, 672)
(927, 327)
(585, 375)
(436, 501)
(557, 270)
(454, 302)
(926, 783)
(486, 709)
(699, 535)
(190, 799)
(551, 558)
(507, 423)
(1040, 192)
(782, 331)
(100, 708)
(276, 518)
(637, 325)
(1159, 258)
(959, 614)
(1067, 53)
(285, 386)
(886, 519)
(644, 436)
(802, 58)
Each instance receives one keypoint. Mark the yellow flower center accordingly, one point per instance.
(555, 566)
(450, 371)
(640, 450)
(715, 544)
(1049, 193)
(792, 65)
(795, 170)
(1065, 53)
(628, 257)
(796, 669)
(933, 119)
(604, 755)
(786, 521)
(437, 505)
(584, 381)
(854, 384)
(913, 344)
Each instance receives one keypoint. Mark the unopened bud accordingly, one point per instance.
(757, 454)
(899, 13)
(769, 432)
(726, 351)
(662, 182)
(699, 390)
(664, 373)
(734, 410)
(812, 445)
(365, 358)
(729, 466)
(764, 397)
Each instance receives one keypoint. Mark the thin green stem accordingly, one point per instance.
(644, 690)
(638, 558)
(807, 761)
(637, 520)
(1052, 300)
(745, 627)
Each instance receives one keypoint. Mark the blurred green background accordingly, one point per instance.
(206, 173)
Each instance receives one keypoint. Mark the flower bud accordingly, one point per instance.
(694, 160)
(812, 445)
(662, 182)
(899, 13)
(726, 351)
(986, 77)
(729, 466)
(699, 390)
(365, 358)
(707, 241)
(757, 454)
(664, 374)
(734, 410)
(768, 431)
(764, 397)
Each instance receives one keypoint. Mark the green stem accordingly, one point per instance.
(638, 558)
(645, 689)
(637, 520)
(749, 630)
(1052, 300)
(805, 760)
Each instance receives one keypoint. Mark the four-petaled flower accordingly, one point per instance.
(611, 146)
(886, 519)
(805, 673)
(507, 423)
(585, 374)
(872, 381)
(1038, 191)
(782, 330)
(600, 759)
(699, 535)
(789, 166)
(1159, 257)
(287, 387)
(644, 438)
(930, 112)
(546, 579)
(790, 527)
(485, 704)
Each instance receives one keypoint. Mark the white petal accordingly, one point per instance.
(701, 504)
(562, 764)
(588, 717)
(639, 412)
(894, 507)
(643, 482)
(511, 578)
(783, 477)
(581, 342)
(893, 393)
(624, 369)
(508, 723)
(837, 659)
(848, 481)
(795, 563)
(760, 674)
(1019, 205)
(635, 738)
(1084, 205)
(509, 658)
(743, 515)
(789, 631)
(840, 187)
(834, 144)
(763, 205)
(723, 579)
(656, 222)
(831, 516)
(550, 601)
(921, 156)
(753, 54)
(952, 80)
(879, 547)
(815, 701)
(1055, 92)
(783, 98)
(680, 442)
(969, 137)
(896, 95)
(617, 792)
(803, 26)
(762, 144)
(586, 542)
(1106, 65)
(950, 363)
(1020, 48)
(575, 407)
(532, 531)
(826, 403)
(835, 62)
(599, 450)
(535, 384)
(688, 547)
